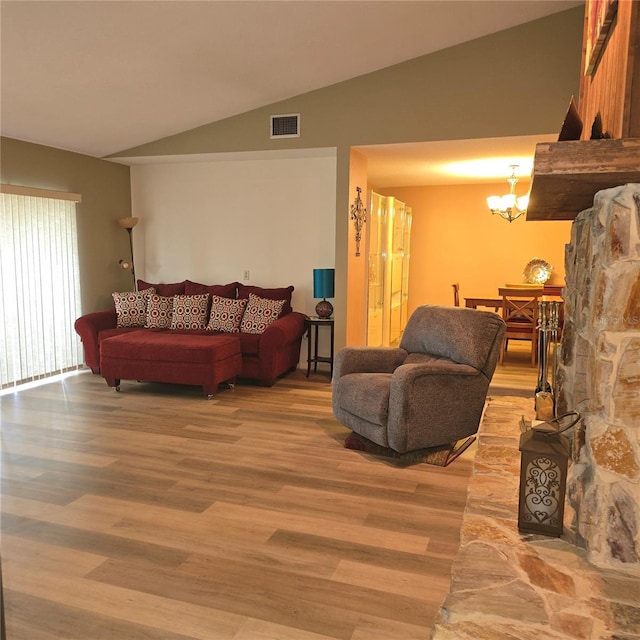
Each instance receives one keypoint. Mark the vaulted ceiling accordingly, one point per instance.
(97, 77)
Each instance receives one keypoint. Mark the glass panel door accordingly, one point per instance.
(396, 248)
(376, 268)
(388, 270)
(406, 255)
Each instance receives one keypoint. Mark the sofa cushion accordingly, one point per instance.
(171, 289)
(162, 347)
(159, 312)
(190, 312)
(222, 290)
(131, 307)
(260, 313)
(109, 333)
(226, 314)
(282, 293)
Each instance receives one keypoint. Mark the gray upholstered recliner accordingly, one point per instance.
(428, 392)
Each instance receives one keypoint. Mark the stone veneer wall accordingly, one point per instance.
(599, 376)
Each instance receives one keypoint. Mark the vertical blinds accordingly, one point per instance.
(39, 286)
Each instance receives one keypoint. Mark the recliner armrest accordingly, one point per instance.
(367, 360)
(443, 399)
(409, 372)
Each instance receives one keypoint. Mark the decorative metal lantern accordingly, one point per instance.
(543, 476)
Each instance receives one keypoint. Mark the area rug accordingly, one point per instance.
(440, 456)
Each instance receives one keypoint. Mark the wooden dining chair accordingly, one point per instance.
(456, 294)
(520, 313)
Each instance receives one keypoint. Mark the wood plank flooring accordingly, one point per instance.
(156, 514)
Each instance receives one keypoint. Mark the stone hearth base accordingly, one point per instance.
(511, 586)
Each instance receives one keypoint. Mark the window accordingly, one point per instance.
(39, 284)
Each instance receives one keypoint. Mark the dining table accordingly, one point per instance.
(496, 303)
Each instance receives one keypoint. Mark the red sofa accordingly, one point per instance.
(265, 356)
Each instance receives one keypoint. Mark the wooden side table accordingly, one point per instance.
(312, 336)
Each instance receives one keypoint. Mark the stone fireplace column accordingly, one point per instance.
(599, 375)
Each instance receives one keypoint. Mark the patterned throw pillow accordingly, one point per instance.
(131, 307)
(280, 293)
(226, 314)
(260, 313)
(190, 312)
(159, 311)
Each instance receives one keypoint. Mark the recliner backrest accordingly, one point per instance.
(466, 336)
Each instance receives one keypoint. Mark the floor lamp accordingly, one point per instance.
(128, 224)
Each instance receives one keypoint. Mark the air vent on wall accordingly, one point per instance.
(285, 126)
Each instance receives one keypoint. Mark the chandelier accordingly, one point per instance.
(509, 206)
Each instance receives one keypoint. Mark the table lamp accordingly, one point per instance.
(323, 284)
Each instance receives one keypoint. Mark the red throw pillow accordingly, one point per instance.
(166, 290)
(222, 290)
(283, 293)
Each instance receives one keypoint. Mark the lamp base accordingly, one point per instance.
(324, 309)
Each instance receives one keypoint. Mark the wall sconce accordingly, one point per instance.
(128, 224)
(323, 287)
(359, 217)
(509, 206)
(543, 476)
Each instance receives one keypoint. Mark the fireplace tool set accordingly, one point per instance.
(548, 327)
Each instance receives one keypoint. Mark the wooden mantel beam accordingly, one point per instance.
(566, 175)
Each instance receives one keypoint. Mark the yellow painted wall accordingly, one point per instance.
(456, 239)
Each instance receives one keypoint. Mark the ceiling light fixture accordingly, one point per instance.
(509, 206)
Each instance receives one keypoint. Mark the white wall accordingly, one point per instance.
(209, 221)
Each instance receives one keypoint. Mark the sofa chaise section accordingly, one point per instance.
(158, 356)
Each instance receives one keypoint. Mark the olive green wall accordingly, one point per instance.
(515, 82)
(106, 196)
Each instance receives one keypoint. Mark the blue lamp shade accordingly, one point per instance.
(323, 285)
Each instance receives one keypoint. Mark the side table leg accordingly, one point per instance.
(308, 351)
(315, 349)
(331, 352)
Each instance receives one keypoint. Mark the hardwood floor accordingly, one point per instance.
(516, 376)
(156, 514)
